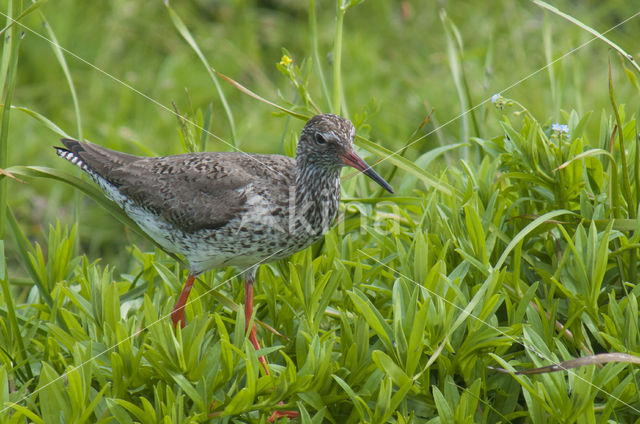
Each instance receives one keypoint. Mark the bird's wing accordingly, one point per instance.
(192, 192)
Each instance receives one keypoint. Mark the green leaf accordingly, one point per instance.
(373, 317)
(88, 189)
(361, 407)
(390, 368)
(43, 120)
(526, 230)
(445, 412)
(137, 412)
(189, 389)
(54, 401)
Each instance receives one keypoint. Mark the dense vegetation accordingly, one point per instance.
(508, 130)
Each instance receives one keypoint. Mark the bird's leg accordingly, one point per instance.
(177, 315)
(253, 338)
(248, 312)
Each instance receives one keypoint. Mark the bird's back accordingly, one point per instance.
(192, 201)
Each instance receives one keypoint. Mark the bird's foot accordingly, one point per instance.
(253, 338)
(292, 415)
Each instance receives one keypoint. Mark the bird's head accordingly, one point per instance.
(327, 141)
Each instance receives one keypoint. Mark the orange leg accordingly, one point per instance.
(279, 414)
(177, 315)
(248, 312)
(253, 338)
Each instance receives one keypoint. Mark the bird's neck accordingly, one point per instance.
(317, 196)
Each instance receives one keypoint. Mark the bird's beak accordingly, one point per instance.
(352, 159)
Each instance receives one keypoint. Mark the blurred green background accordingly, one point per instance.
(401, 62)
(396, 69)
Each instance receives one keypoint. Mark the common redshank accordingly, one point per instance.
(237, 209)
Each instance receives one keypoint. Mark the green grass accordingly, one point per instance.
(511, 242)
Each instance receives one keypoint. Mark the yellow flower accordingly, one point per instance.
(285, 61)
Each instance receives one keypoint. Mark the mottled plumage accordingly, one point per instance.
(227, 209)
(230, 209)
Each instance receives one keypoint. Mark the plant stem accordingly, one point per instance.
(186, 34)
(8, 66)
(337, 56)
(626, 184)
(313, 26)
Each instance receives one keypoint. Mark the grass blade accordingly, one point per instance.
(406, 165)
(57, 51)
(32, 8)
(337, 59)
(313, 27)
(88, 189)
(11, 312)
(590, 30)
(43, 120)
(626, 183)
(250, 93)
(23, 250)
(526, 230)
(8, 69)
(184, 31)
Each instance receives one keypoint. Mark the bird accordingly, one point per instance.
(220, 209)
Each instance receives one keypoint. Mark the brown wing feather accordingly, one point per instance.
(191, 191)
(206, 195)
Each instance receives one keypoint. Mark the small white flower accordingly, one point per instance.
(560, 128)
(495, 98)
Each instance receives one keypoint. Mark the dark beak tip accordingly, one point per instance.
(386, 186)
(379, 180)
(355, 161)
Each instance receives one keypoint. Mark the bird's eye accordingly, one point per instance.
(320, 139)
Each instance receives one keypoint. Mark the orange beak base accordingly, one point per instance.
(353, 160)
